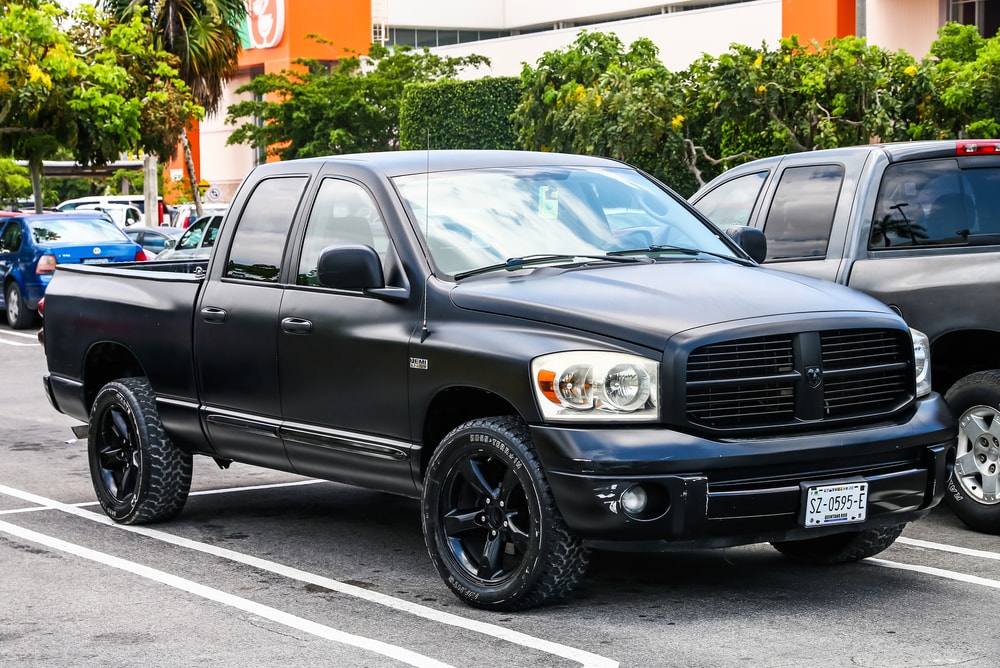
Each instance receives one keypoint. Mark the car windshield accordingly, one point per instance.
(192, 238)
(478, 218)
(75, 230)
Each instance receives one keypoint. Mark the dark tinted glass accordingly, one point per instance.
(801, 215)
(262, 230)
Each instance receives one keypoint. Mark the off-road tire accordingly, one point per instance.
(973, 490)
(841, 547)
(490, 523)
(139, 475)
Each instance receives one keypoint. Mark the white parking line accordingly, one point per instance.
(27, 335)
(17, 343)
(586, 659)
(979, 554)
(939, 572)
(212, 594)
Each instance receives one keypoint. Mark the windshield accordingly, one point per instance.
(76, 230)
(476, 218)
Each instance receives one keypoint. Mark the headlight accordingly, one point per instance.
(591, 385)
(922, 361)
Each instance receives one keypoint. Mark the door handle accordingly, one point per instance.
(214, 315)
(296, 326)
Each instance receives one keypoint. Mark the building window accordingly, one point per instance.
(984, 14)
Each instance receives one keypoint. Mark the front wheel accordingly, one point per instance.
(490, 523)
(139, 475)
(19, 316)
(974, 487)
(841, 547)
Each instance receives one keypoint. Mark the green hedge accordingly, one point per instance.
(460, 114)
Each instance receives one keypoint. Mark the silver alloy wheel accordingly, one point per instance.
(13, 298)
(977, 461)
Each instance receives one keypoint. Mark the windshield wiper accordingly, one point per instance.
(512, 263)
(662, 248)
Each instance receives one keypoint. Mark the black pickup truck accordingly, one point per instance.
(916, 225)
(553, 353)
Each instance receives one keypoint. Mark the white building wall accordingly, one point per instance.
(910, 25)
(224, 166)
(682, 37)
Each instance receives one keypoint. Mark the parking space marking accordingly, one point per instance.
(219, 596)
(968, 552)
(26, 335)
(584, 658)
(16, 343)
(930, 570)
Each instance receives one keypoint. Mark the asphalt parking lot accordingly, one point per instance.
(264, 568)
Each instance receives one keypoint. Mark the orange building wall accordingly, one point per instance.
(819, 20)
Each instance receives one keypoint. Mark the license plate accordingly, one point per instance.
(838, 503)
(96, 260)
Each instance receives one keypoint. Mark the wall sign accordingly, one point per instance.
(266, 22)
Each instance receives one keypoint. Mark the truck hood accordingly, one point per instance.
(647, 304)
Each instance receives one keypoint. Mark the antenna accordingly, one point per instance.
(424, 331)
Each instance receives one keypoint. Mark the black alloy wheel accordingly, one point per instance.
(490, 523)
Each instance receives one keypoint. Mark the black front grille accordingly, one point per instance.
(799, 379)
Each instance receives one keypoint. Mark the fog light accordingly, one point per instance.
(634, 500)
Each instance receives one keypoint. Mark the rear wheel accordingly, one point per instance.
(19, 316)
(974, 487)
(139, 475)
(841, 547)
(491, 526)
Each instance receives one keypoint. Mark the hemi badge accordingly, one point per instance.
(418, 363)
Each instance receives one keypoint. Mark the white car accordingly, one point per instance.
(122, 215)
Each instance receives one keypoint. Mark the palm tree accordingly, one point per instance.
(204, 35)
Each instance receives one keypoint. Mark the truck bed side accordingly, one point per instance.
(101, 320)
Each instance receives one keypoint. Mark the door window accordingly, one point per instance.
(801, 215)
(263, 228)
(344, 213)
(733, 201)
(10, 238)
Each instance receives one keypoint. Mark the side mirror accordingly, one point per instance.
(350, 267)
(749, 239)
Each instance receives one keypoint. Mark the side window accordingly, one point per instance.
(212, 232)
(733, 201)
(262, 230)
(801, 215)
(344, 213)
(932, 202)
(10, 238)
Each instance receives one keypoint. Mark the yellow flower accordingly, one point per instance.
(761, 88)
(677, 121)
(788, 59)
(759, 61)
(911, 70)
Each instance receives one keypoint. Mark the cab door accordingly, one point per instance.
(236, 329)
(342, 354)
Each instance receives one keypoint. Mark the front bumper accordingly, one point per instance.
(715, 493)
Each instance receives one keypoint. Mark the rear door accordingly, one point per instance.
(236, 328)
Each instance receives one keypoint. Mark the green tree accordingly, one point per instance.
(353, 106)
(53, 95)
(204, 35)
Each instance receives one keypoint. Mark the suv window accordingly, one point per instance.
(932, 202)
(733, 201)
(260, 236)
(801, 215)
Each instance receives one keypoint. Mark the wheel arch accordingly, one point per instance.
(958, 353)
(454, 406)
(105, 362)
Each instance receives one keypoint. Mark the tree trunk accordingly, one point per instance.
(192, 176)
(35, 165)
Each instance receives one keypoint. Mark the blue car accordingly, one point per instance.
(32, 245)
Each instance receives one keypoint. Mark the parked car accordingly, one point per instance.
(184, 215)
(915, 225)
(196, 241)
(138, 201)
(154, 240)
(32, 245)
(121, 215)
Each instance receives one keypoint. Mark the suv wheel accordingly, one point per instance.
(490, 523)
(19, 316)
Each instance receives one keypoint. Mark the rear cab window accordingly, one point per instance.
(939, 202)
(262, 231)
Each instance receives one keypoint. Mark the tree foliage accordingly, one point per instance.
(353, 106)
(452, 114)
